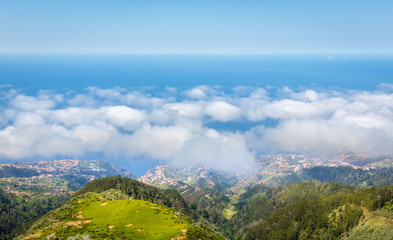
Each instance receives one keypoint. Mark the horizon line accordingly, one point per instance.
(195, 54)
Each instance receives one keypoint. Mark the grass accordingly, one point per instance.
(137, 218)
(111, 215)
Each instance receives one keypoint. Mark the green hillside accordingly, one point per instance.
(313, 210)
(377, 225)
(17, 214)
(112, 215)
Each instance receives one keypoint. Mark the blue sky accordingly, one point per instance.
(197, 27)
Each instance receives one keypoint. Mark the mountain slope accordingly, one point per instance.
(16, 214)
(113, 215)
(376, 225)
(330, 214)
(181, 178)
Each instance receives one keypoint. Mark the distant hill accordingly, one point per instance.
(114, 214)
(34, 179)
(91, 168)
(182, 178)
(277, 170)
(31, 189)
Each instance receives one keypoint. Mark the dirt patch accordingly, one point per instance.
(154, 207)
(77, 224)
(80, 215)
(178, 237)
(74, 224)
(129, 225)
(80, 201)
(385, 219)
(111, 226)
(103, 204)
(184, 232)
(35, 235)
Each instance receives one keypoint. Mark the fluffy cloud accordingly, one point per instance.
(225, 151)
(127, 124)
(29, 103)
(223, 111)
(200, 92)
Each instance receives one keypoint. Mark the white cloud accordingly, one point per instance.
(201, 92)
(124, 117)
(225, 151)
(185, 109)
(159, 142)
(223, 111)
(289, 108)
(29, 103)
(127, 124)
(196, 93)
(28, 118)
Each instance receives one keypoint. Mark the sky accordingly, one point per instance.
(196, 27)
(57, 103)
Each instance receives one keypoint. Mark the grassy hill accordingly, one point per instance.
(113, 215)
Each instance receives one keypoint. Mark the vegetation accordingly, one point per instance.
(338, 203)
(327, 214)
(206, 210)
(10, 171)
(30, 190)
(138, 190)
(17, 214)
(377, 225)
(114, 215)
(348, 175)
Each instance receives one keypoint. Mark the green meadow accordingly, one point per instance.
(111, 215)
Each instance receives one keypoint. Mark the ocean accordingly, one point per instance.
(34, 72)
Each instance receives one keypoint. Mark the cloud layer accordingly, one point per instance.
(128, 124)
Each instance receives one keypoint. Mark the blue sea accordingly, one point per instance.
(34, 72)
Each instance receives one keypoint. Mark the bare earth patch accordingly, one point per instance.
(184, 231)
(80, 215)
(74, 223)
(111, 226)
(103, 204)
(129, 225)
(35, 235)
